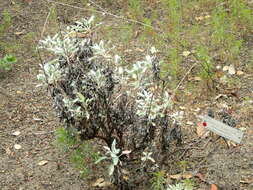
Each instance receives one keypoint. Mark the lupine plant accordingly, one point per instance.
(124, 107)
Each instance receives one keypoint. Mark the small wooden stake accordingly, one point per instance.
(222, 129)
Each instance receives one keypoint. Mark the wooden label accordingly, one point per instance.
(222, 129)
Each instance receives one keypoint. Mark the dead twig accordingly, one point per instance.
(181, 81)
(43, 133)
(45, 23)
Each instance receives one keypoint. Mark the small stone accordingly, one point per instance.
(225, 68)
(239, 73)
(17, 146)
(16, 133)
(231, 70)
(43, 162)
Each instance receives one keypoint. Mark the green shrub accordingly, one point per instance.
(6, 23)
(205, 61)
(158, 180)
(6, 62)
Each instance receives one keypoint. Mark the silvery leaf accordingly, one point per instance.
(115, 160)
(100, 159)
(149, 59)
(111, 169)
(117, 59)
(153, 50)
(114, 150)
(41, 77)
(107, 148)
(81, 97)
(91, 19)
